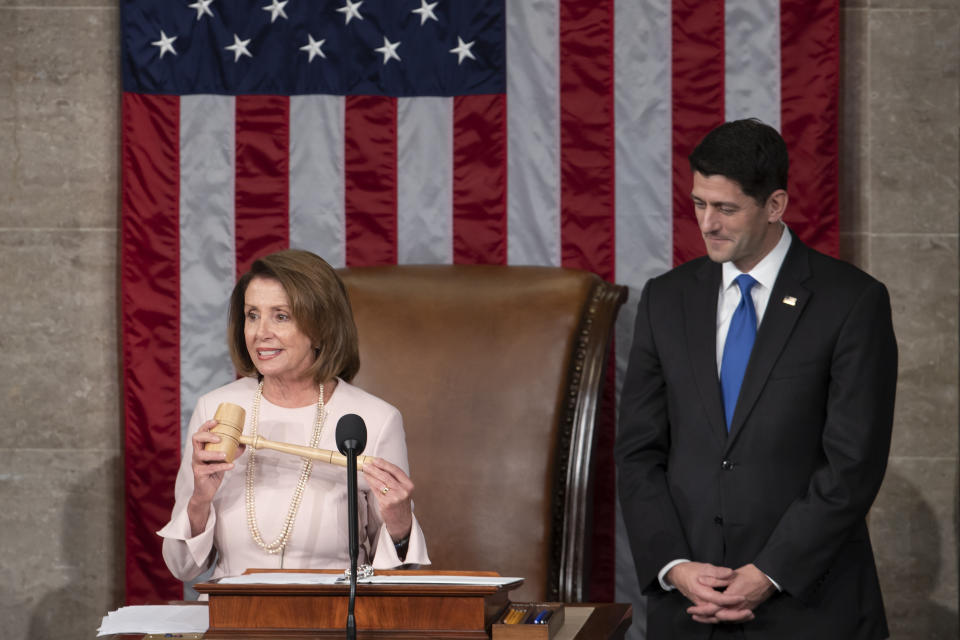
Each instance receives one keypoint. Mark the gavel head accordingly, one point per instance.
(230, 418)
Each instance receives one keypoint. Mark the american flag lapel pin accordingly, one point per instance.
(790, 300)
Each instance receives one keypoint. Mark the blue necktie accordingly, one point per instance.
(736, 351)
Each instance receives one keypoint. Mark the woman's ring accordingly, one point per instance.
(384, 490)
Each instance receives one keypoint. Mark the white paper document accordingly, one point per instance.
(484, 581)
(156, 619)
(334, 578)
(282, 578)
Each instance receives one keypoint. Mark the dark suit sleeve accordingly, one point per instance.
(643, 441)
(856, 441)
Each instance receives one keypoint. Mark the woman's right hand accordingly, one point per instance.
(208, 470)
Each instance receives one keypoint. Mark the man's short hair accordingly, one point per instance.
(749, 152)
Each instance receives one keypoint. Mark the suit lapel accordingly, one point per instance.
(700, 313)
(786, 304)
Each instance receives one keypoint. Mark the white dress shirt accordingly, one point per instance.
(765, 273)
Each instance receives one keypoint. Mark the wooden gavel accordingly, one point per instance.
(229, 427)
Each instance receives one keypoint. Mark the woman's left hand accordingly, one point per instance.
(394, 491)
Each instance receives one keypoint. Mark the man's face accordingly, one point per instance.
(736, 227)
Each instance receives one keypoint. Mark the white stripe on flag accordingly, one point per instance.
(533, 123)
(643, 133)
(644, 216)
(316, 177)
(752, 44)
(425, 180)
(206, 245)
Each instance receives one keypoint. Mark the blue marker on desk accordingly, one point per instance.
(544, 617)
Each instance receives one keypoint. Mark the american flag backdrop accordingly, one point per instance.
(547, 132)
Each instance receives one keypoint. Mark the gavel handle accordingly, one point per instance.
(322, 455)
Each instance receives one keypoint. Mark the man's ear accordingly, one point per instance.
(776, 205)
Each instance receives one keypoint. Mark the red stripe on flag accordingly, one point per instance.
(698, 106)
(480, 179)
(262, 189)
(587, 219)
(587, 136)
(370, 180)
(150, 318)
(809, 89)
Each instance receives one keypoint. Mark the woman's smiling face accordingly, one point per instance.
(277, 346)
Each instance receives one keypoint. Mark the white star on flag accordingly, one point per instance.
(165, 44)
(463, 50)
(276, 9)
(202, 7)
(239, 47)
(389, 50)
(313, 48)
(351, 10)
(426, 11)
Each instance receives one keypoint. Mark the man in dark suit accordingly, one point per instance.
(755, 419)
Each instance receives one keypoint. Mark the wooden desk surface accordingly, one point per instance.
(606, 621)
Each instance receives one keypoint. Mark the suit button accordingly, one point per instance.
(717, 520)
(726, 465)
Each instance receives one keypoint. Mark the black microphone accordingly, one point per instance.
(351, 440)
(351, 434)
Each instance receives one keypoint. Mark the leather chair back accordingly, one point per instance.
(497, 372)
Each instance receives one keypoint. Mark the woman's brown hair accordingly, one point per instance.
(319, 305)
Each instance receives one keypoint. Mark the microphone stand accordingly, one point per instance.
(354, 536)
(351, 440)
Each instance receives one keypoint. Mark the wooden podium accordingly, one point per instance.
(382, 610)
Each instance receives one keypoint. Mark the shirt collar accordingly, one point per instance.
(767, 269)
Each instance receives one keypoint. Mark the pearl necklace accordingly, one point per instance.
(278, 545)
